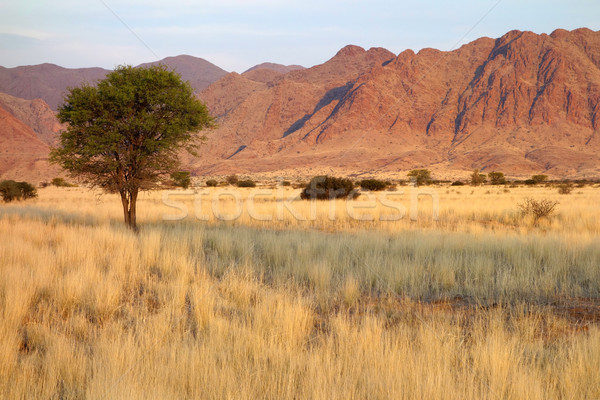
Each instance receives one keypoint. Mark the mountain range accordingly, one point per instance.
(523, 103)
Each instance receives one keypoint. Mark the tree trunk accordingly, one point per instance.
(129, 200)
(125, 203)
(132, 209)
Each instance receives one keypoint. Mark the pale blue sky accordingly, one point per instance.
(237, 34)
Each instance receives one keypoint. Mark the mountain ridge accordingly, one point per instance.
(522, 103)
(519, 103)
(50, 81)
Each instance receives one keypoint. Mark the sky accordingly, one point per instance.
(238, 34)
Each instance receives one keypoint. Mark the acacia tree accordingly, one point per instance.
(125, 133)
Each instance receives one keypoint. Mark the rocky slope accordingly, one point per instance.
(36, 114)
(50, 82)
(197, 71)
(46, 81)
(522, 103)
(23, 156)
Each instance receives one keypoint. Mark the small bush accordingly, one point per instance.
(373, 184)
(565, 188)
(457, 183)
(211, 183)
(420, 176)
(327, 187)
(530, 182)
(477, 178)
(181, 179)
(497, 178)
(60, 182)
(538, 209)
(286, 183)
(246, 183)
(539, 178)
(11, 190)
(232, 179)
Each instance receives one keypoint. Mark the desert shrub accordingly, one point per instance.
(373, 184)
(539, 178)
(477, 178)
(530, 182)
(11, 190)
(457, 183)
(181, 179)
(328, 187)
(60, 182)
(420, 176)
(497, 178)
(232, 179)
(246, 183)
(211, 183)
(286, 183)
(565, 188)
(538, 209)
(28, 191)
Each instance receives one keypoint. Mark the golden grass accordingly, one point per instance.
(473, 306)
(461, 209)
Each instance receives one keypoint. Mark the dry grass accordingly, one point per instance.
(464, 209)
(475, 305)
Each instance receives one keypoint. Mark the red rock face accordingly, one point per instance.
(521, 104)
(513, 104)
(36, 114)
(23, 156)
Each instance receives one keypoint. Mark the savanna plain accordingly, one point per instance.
(253, 293)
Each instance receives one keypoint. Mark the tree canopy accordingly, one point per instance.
(125, 134)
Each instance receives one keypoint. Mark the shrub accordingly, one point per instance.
(420, 176)
(28, 191)
(211, 183)
(286, 183)
(497, 178)
(538, 209)
(373, 184)
(60, 182)
(457, 183)
(565, 188)
(232, 179)
(327, 187)
(11, 190)
(246, 183)
(181, 179)
(539, 178)
(477, 178)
